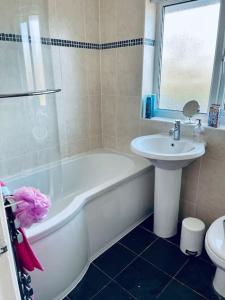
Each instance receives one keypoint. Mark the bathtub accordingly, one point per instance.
(97, 198)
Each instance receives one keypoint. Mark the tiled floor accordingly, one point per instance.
(143, 266)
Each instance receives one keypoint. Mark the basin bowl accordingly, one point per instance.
(167, 153)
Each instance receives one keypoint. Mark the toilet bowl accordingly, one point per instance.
(215, 247)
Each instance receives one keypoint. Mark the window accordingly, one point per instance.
(189, 54)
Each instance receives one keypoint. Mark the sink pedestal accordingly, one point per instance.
(166, 202)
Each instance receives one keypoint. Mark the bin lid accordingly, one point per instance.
(216, 237)
(193, 224)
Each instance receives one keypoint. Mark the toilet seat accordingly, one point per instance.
(215, 239)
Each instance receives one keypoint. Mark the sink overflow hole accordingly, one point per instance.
(172, 145)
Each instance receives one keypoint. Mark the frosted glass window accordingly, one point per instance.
(189, 43)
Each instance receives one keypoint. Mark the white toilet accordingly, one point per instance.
(215, 247)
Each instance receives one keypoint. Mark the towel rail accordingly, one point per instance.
(29, 94)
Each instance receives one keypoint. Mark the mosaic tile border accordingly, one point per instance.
(11, 37)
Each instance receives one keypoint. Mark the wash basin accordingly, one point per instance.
(167, 153)
(169, 157)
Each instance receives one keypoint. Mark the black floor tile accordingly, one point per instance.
(143, 280)
(204, 256)
(113, 292)
(165, 256)
(148, 223)
(198, 275)
(92, 282)
(114, 260)
(176, 291)
(138, 239)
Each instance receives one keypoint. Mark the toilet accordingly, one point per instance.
(215, 247)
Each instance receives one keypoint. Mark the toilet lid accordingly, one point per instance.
(216, 237)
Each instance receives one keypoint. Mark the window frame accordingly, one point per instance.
(217, 89)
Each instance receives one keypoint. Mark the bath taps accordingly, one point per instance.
(175, 131)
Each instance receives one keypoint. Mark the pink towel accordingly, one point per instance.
(25, 255)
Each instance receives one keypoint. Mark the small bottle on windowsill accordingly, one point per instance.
(214, 115)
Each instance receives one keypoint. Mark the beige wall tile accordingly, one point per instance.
(127, 117)
(48, 155)
(74, 74)
(12, 64)
(211, 188)
(93, 71)
(123, 144)
(209, 213)
(92, 21)
(70, 20)
(109, 115)
(94, 115)
(130, 19)
(190, 181)
(9, 19)
(108, 21)
(109, 72)
(77, 146)
(129, 62)
(109, 142)
(95, 142)
(187, 209)
(215, 139)
(77, 119)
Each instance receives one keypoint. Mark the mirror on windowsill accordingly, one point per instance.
(190, 109)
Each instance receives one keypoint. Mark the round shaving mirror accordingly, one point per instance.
(190, 109)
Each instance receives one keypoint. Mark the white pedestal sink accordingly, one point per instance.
(169, 157)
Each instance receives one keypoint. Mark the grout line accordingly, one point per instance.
(149, 246)
(122, 287)
(135, 258)
(103, 272)
(156, 267)
(138, 254)
(171, 280)
(101, 289)
(185, 285)
(151, 231)
(124, 246)
(111, 280)
(205, 260)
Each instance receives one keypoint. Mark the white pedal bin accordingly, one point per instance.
(192, 236)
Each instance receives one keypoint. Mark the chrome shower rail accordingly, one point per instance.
(28, 94)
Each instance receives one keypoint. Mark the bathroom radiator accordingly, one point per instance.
(24, 279)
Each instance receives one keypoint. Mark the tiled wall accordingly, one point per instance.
(101, 93)
(70, 122)
(121, 71)
(203, 184)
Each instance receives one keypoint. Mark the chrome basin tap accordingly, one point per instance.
(175, 131)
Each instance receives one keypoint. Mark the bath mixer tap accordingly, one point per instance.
(175, 131)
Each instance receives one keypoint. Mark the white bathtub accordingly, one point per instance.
(96, 199)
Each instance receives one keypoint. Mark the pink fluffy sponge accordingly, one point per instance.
(32, 206)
